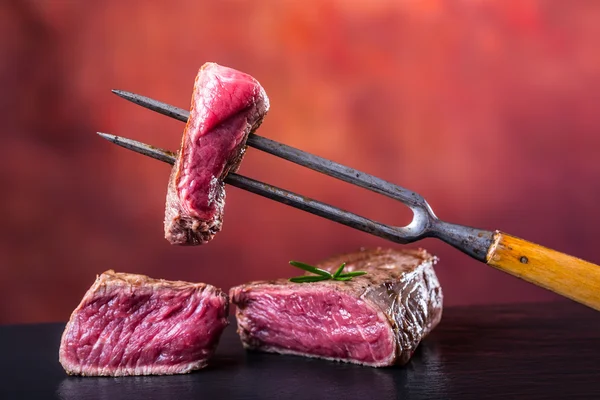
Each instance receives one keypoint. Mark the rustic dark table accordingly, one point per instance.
(530, 351)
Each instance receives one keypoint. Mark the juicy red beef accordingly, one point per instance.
(376, 319)
(130, 324)
(315, 322)
(227, 105)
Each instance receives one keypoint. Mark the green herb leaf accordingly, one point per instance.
(322, 275)
(310, 268)
(352, 274)
(303, 279)
(339, 270)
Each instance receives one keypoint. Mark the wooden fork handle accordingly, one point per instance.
(566, 275)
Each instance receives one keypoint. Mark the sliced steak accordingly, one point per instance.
(130, 324)
(376, 319)
(227, 105)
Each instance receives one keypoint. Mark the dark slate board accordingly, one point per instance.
(535, 351)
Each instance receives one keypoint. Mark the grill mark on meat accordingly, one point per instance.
(400, 299)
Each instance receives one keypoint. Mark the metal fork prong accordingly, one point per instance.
(412, 199)
(312, 206)
(338, 171)
(154, 105)
(321, 209)
(142, 148)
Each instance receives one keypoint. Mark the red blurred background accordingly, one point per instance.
(486, 108)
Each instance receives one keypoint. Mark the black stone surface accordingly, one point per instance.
(531, 351)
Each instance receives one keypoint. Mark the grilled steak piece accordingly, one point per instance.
(227, 105)
(377, 319)
(130, 324)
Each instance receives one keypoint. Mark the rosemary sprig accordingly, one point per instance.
(310, 268)
(321, 274)
(339, 270)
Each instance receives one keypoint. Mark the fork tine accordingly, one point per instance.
(316, 163)
(274, 193)
(394, 234)
(154, 105)
(142, 148)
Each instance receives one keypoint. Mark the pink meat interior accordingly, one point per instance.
(224, 103)
(324, 323)
(204, 164)
(132, 329)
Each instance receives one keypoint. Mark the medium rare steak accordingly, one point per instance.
(227, 105)
(377, 319)
(130, 324)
